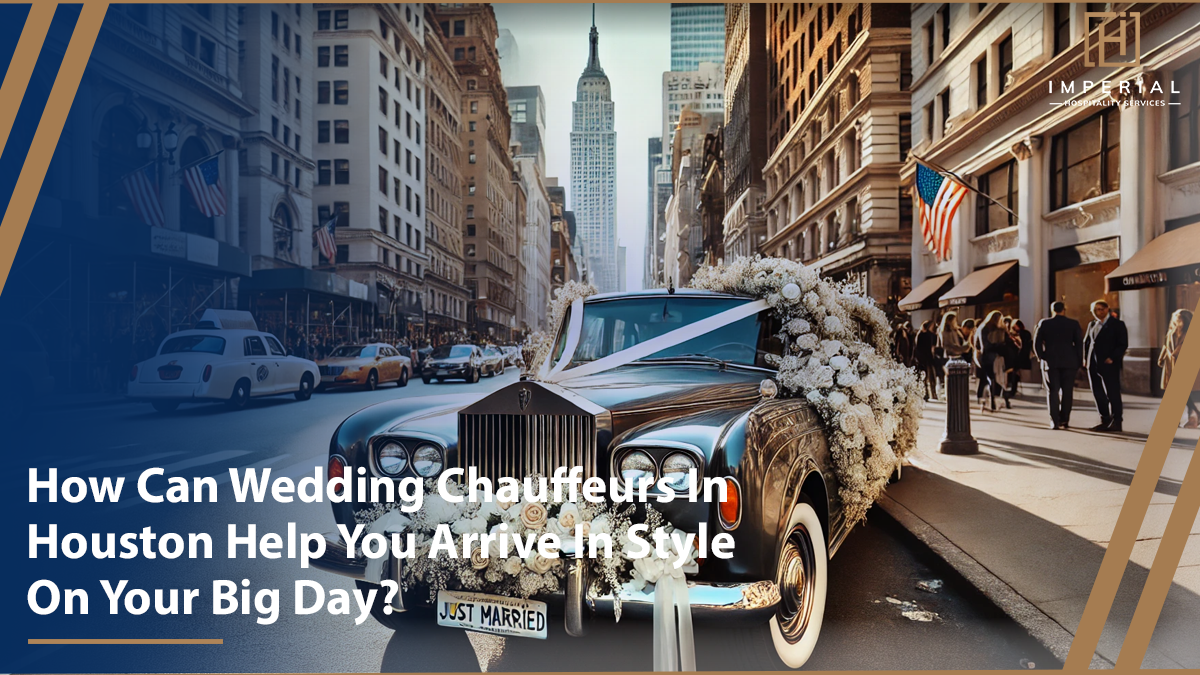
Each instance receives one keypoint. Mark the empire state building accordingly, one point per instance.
(594, 169)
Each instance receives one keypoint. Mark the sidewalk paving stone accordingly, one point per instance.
(1036, 509)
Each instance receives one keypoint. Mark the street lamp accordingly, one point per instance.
(166, 142)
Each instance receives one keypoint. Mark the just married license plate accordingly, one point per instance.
(493, 614)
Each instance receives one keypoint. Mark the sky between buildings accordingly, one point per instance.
(635, 50)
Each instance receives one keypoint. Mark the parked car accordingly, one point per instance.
(365, 365)
(512, 356)
(702, 404)
(220, 364)
(493, 361)
(453, 362)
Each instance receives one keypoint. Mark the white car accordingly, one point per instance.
(214, 364)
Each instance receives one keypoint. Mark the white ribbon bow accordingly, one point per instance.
(673, 649)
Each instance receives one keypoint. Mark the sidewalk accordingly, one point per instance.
(1027, 519)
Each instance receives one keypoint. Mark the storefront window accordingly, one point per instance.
(1085, 160)
(1001, 185)
(1185, 148)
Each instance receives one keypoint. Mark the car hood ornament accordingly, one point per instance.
(524, 394)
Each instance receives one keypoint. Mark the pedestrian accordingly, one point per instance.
(1104, 347)
(902, 345)
(989, 357)
(1023, 358)
(950, 337)
(1058, 343)
(1181, 320)
(925, 359)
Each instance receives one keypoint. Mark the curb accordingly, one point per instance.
(1051, 634)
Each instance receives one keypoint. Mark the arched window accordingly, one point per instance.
(117, 156)
(191, 218)
(851, 91)
(284, 233)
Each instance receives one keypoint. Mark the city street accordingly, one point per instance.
(877, 617)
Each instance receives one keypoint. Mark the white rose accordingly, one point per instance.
(601, 525)
(538, 564)
(833, 324)
(847, 379)
(533, 515)
(503, 505)
(823, 377)
(554, 526)
(568, 516)
(837, 399)
(832, 347)
(438, 510)
(839, 362)
(815, 397)
(650, 569)
(807, 341)
(512, 566)
(465, 525)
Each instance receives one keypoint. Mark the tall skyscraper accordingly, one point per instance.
(594, 168)
(697, 34)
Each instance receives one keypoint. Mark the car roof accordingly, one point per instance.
(227, 333)
(662, 292)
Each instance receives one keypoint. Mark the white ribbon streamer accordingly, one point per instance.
(674, 646)
(392, 521)
(651, 346)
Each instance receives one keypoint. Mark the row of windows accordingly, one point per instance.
(412, 201)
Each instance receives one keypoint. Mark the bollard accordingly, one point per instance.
(957, 439)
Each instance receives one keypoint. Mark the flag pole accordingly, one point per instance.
(950, 174)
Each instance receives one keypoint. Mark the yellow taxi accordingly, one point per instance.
(365, 365)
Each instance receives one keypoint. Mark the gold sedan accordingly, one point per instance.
(366, 365)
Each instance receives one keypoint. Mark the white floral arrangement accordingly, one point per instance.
(836, 356)
(563, 297)
(506, 573)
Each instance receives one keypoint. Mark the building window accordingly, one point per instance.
(341, 56)
(383, 180)
(981, 83)
(1001, 185)
(471, 214)
(471, 85)
(1085, 160)
(323, 172)
(474, 107)
(460, 28)
(323, 20)
(383, 64)
(322, 57)
(323, 131)
(905, 135)
(1062, 26)
(341, 19)
(944, 107)
(341, 171)
(383, 100)
(471, 158)
(341, 131)
(927, 32)
(342, 211)
(341, 92)
(275, 164)
(906, 211)
(944, 19)
(383, 141)
(383, 219)
(323, 92)
(343, 254)
(1185, 149)
(1004, 63)
(274, 78)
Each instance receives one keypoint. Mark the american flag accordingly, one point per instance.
(142, 190)
(940, 196)
(325, 239)
(204, 182)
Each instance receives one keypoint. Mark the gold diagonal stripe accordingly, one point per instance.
(45, 139)
(1133, 511)
(20, 69)
(1162, 572)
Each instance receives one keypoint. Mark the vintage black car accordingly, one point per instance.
(708, 402)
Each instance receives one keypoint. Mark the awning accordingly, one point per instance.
(924, 296)
(1169, 259)
(979, 285)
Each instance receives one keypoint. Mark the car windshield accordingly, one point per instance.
(353, 351)
(451, 352)
(613, 325)
(208, 344)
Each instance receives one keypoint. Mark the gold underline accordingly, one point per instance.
(125, 641)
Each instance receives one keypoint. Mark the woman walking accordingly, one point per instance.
(1023, 357)
(990, 341)
(925, 360)
(1181, 320)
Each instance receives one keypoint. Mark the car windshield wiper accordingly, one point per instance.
(703, 358)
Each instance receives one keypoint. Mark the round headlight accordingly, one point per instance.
(676, 468)
(393, 458)
(636, 468)
(427, 461)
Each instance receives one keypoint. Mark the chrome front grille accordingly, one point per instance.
(519, 445)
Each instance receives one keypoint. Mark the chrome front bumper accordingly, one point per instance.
(743, 603)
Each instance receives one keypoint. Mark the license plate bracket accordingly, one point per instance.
(494, 614)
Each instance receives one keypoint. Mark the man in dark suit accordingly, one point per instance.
(1058, 343)
(1104, 346)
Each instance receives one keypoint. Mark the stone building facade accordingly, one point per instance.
(745, 127)
(838, 109)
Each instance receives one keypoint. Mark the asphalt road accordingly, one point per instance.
(877, 617)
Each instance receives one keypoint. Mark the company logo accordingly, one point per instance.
(1113, 32)
(262, 373)
(523, 397)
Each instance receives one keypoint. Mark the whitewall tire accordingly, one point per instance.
(802, 576)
